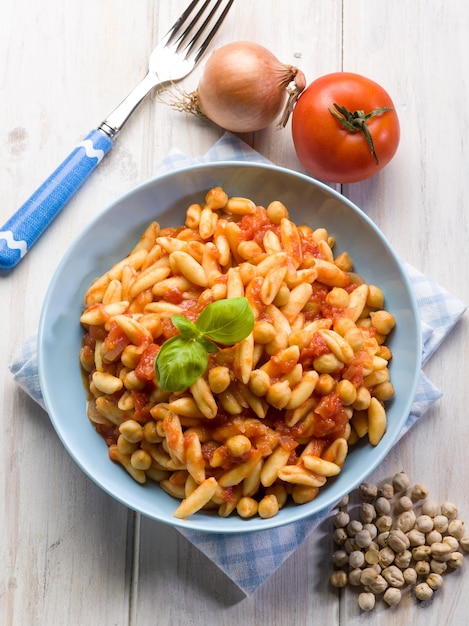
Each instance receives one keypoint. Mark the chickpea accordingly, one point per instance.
(452, 542)
(354, 577)
(372, 557)
(247, 507)
(405, 521)
(367, 512)
(456, 560)
(366, 601)
(440, 523)
(410, 575)
(386, 490)
(354, 527)
(430, 508)
(422, 568)
(449, 509)
(419, 492)
(400, 481)
(132, 431)
(339, 536)
(238, 445)
(367, 491)
(423, 591)
(464, 543)
(404, 504)
(433, 537)
(392, 596)
(340, 558)
(398, 541)
(339, 578)
(382, 506)
(435, 581)
(386, 556)
(268, 507)
(393, 575)
(403, 559)
(424, 523)
(363, 538)
(356, 559)
(438, 567)
(456, 528)
(341, 519)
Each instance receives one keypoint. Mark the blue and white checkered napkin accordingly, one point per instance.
(249, 559)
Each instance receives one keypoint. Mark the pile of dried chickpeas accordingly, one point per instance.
(399, 540)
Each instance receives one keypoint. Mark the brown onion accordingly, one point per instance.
(244, 87)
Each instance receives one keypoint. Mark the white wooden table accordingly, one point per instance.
(70, 554)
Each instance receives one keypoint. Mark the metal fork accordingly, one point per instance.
(174, 58)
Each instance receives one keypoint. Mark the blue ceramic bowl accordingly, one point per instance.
(113, 234)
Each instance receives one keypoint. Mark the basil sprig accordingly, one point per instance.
(183, 359)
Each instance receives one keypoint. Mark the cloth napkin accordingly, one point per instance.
(249, 559)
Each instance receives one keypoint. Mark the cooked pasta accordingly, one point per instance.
(273, 417)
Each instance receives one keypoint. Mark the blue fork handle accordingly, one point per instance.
(25, 227)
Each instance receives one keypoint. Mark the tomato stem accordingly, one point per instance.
(357, 121)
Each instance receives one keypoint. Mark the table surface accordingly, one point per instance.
(69, 553)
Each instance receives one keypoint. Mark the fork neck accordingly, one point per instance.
(114, 122)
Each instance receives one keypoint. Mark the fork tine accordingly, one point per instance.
(212, 33)
(180, 42)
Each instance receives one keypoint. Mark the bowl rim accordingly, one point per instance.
(212, 525)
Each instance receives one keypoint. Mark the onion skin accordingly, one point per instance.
(243, 87)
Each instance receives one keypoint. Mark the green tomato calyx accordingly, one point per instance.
(357, 122)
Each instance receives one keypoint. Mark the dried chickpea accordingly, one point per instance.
(456, 560)
(340, 558)
(386, 556)
(452, 542)
(378, 585)
(366, 601)
(383, 523)
(422, 568)
(404, 504)
(367, 491)
(419, 492)
(464, 543)
(438, 567)
(456, 528)
(405, 522)
(434, 536)
(435, 581)
(403, 559)
(341, 519)
(449, 509)
(416, 537)
(392, 596)
(386, 490)
(424, 523)
(423, 591)
(339, 536)
(393, 575)
(400, 481)
(339, 578)
(410, 575)
(430, 508)
(354, 576)
(440, 523)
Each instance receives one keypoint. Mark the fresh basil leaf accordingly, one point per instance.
(186, 328)
(226, 321)
(179, 363)
(208, 345)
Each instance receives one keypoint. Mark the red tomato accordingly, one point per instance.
(325, 147)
